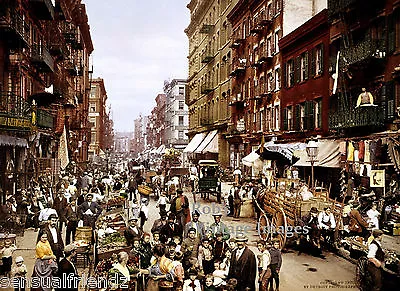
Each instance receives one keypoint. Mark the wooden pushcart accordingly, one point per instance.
(283, 209)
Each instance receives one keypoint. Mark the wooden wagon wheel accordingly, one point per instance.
(264, 227)
(279, 226)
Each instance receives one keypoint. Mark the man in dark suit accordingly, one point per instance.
(170, 230)
(89, 211)
(67, 272)
(180, 207)
(53, 236)
(243, 265)
(72, 216)
(133, 231)
(60, 205)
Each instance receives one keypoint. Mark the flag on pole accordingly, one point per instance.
(63, 150)
(335, 76)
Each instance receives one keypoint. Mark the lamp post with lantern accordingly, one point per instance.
(312, 153)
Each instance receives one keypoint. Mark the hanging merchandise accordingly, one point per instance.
(350, 152)
(361, 150)
(367, 155)
(372, 150)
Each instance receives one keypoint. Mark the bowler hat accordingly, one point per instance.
(219, 213)
(196, 212)
(314, 210)
(241, 237)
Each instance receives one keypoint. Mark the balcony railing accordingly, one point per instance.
(206, 28)
(365, 50)
(43, 9)
(206, 88)
(16, 30)
(336, 6)
(363, 116)
(207, 56)
(255, 26)
(206, 121)
(236, 99)
(263, 19)
(45, 119)
(42, 59)
(237, 37)
(238, 66)
(70, 32)
(14, 111)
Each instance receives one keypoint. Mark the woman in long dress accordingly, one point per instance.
(45, 266)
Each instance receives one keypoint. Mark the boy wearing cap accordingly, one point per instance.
(66, 267)
(219, 226)
(276, 263)
(376, 259)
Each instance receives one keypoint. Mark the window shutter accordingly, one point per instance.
(391, 33)
(285, 119)
(297, 116)
(313, 65)
(322, 59)
(306, 65)
(297, 68)
(283, 76)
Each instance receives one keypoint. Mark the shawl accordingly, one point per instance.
(43, 249)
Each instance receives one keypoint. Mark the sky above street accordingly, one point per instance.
(137, 45)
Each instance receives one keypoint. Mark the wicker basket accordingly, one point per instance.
(145, 190)
(84, 233)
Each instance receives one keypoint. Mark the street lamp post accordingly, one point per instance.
(312, 153)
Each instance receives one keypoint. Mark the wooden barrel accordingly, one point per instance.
(7, 236)
(84, 233)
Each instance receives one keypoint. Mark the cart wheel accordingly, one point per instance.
(279, 226)
(264, 227)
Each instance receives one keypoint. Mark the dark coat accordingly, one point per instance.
(167, 232)
(244, 270)
(66, 267)
(130, 235)
(57, 248)
(60, 205)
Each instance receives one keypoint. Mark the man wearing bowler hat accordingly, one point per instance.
(196, 224)
(219, 226)
(311, 221)
(243, 266)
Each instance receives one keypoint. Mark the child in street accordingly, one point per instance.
(192, 284)
(7, 252)
(205, 256)
(275, 264)
(162, 203)
(209, 283)
(19, 274)
(220, 275)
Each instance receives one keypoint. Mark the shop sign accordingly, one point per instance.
(240, 126)
(14, 122)
(377, 178)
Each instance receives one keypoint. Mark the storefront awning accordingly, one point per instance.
(274, 152)
(212, 147)
(6, 140)
(328, 155)
(201, 148)
(250, 159)
(194, 143)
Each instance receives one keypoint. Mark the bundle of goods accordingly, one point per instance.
(115, 201)
(145, 190)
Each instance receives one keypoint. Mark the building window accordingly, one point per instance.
(277, 6)
(290, 73)
(262, 120)
(318, 60)
(92, 107)
(276, 40)
(268, 119)
(93, 137)
(180, 118)
(92, 121)
(304, 66)
(270, 80)
(181, 105)
(277, 79)
(181, 90)
(181, 134)
(276, 117)
(288, 118)
(269, 43)
(318, 113)
(302, 116)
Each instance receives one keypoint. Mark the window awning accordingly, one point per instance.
(328, 155)
(212, 147)
(201, 148)
(194, 143)
(6, 140)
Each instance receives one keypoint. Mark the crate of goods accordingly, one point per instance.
(396, 228)
(84, 233)
(144, 189)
